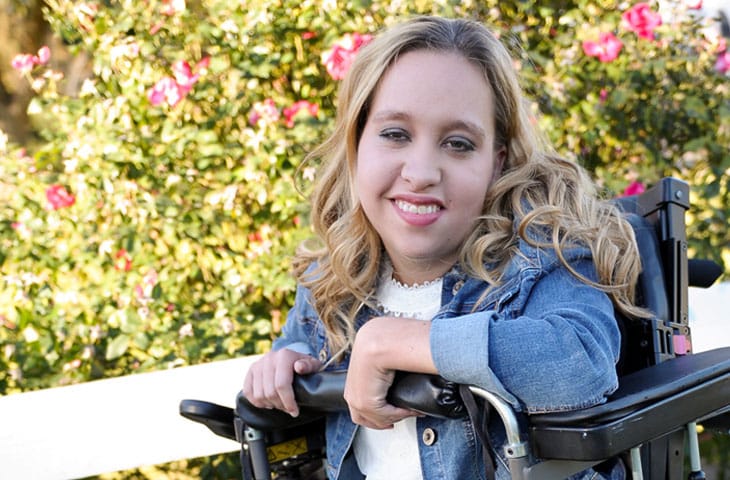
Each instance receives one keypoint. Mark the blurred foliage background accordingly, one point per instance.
(149, 191)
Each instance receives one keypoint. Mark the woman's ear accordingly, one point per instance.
(500, 158)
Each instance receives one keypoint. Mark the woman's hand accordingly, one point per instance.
(378, 351)
(268, 383)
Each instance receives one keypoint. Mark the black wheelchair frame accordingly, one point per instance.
(664, 388)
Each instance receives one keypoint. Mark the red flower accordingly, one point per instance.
(722, 64)
(291, 112)
(634, 188)
(338, 59)
(694, 4)
(606, 48)
(641, 20)
(58, 197)
(122, 260)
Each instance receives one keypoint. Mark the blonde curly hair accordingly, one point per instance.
(536, 188)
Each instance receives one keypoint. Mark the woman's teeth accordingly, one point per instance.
(418, 209)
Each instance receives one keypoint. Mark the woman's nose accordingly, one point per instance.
(421, 169)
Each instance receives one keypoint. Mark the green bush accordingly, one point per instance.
(153, 224)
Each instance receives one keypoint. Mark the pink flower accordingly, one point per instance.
(606, 48)
(308, 35)
(338, 59)
(165, 90)
(722, 64)
(291, 112)
(693, 4)
(603, 95)
(641, 20)
(24, 62)
(184, 74)
(634, 188)
(143, 290)
(44, 54)
(202, 65)
(172, 90)
(265, 111)
(58, 197)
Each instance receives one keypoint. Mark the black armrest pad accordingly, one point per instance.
(428, 394)
(316, 395)
(647, 386)
(217, 418)
(649, 404)
(321, 393)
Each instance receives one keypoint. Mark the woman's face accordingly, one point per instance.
(426, 159)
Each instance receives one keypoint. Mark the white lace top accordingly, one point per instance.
(389, 454)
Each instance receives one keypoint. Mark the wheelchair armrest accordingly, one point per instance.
(648, 403)
(321, 393)
(316, 394)
(217, 418)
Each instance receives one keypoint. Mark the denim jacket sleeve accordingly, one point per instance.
(551, 346)
(302, 331)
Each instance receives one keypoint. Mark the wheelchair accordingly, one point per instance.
(664, 391)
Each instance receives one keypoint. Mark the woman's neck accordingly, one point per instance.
(418, 273)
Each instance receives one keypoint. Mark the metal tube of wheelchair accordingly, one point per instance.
(637, 471)
(695, 465)
(516, 450)
(257, 450)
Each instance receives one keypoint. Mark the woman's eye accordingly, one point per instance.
(394, 134)
(459, 145)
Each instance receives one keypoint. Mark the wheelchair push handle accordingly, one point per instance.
(322, 392)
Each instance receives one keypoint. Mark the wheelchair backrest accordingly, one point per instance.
(657, 217)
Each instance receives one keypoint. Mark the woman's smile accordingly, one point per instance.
(417, 214)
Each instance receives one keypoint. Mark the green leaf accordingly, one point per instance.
(117, 347)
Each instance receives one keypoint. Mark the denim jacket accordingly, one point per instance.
(542, 340)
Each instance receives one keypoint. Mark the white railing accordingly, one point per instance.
(113, 424)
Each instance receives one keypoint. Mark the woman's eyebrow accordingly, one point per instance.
(384, 115)
(471, 127)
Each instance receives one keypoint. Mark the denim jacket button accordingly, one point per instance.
(323, 355)
(429, 436)
(457, 287)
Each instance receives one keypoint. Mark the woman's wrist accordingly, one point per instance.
(394, 343)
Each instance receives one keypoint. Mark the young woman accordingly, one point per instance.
(451, 241)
